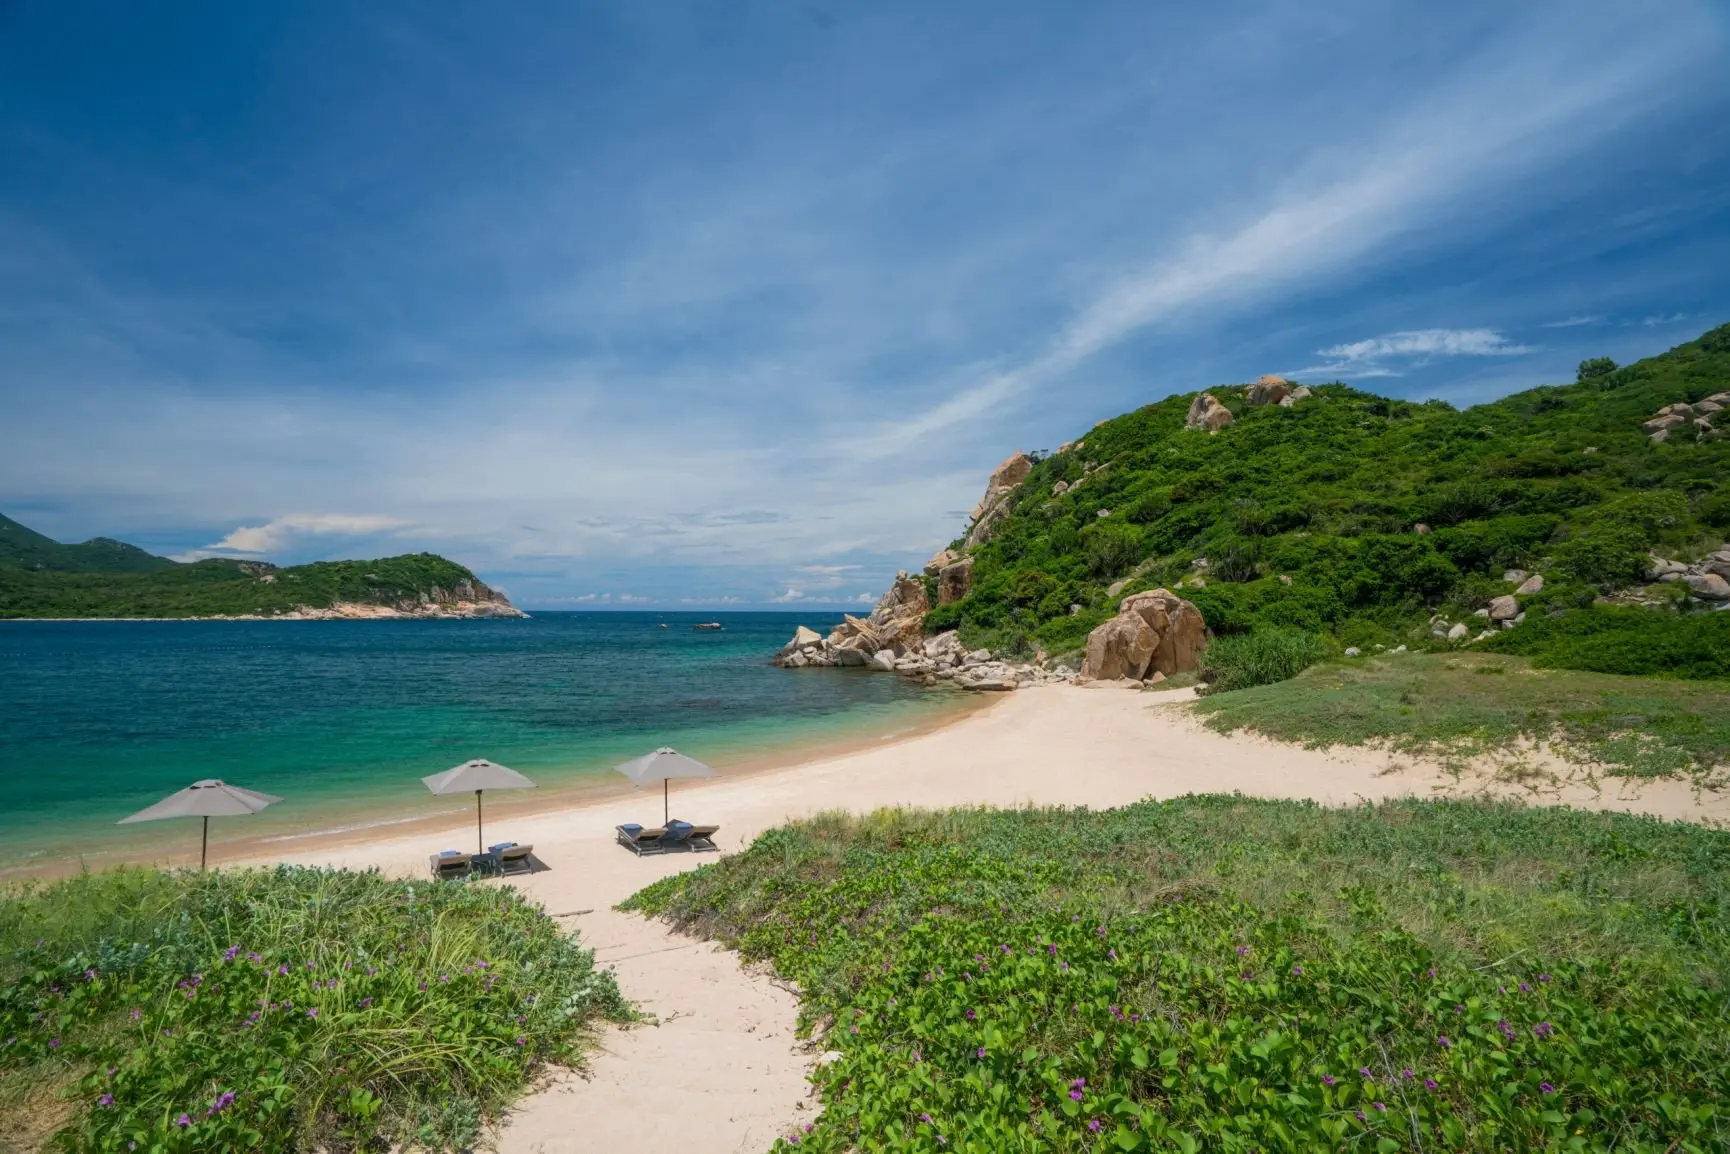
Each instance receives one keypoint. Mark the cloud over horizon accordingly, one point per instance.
(741, 308)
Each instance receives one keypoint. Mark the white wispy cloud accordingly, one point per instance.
(1429, 343)
(1575, 322)
(282, 532)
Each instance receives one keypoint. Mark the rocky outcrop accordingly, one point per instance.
(1206, 412)
(1153, 632)
(1707, 578)
(1270, 390)
(941, 560)
(994, 506)
(1700, 417)
(954, 580)
(1294, 396)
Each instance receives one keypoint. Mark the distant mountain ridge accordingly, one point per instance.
(101, 578)
(28, 549)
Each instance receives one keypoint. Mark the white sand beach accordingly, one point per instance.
(723, 1061)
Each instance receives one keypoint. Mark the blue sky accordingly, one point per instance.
(736, 304)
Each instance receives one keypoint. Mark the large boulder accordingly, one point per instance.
(1155, 631)
(898, 620)
(1205, 412)
(1709, 586)
(1120, 649)
(1270, 390)
(1294, 396)
(1182, 629)
(994, 506)
(802, 637)
(1504, 608)
(954, 581)
(941, 560)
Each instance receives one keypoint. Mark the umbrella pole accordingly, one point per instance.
(479, 848)
(204, 844)
(664, 809)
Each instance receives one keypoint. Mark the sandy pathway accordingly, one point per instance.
(723, 1069)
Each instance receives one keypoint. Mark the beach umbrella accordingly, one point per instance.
(206, 799)
(477, 775)
(662, 765)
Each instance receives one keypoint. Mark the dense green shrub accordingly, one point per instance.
(1219, 973)
(1260, 658)
(285, 1009)
(1631, 641)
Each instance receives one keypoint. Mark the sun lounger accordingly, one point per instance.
(642, 841)
(698, 837)
(450, 864)
(512, 858)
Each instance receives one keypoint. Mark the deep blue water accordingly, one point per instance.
(98, 719)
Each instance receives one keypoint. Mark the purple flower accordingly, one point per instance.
(105, 1100)
(1406, 1073)
(365, 1002)
(1093, 1125)
(1543, 1029)
(1298, 970)
(1524, 988)
(1327, 1079)
(1429, 1083)
(1459, 1009)
(925, 1118)
(90, 975)
(1442, 1041)
(312, 1013)
(54, 1043)
(183, 1121)
(1546, 1087)
(136, 1014)
(1242, 951)
(979, 1053)
(1360, 1114)
(522, 1041)
(1432, 972)
(230, 953)
(1543, 977)
(1112, 954)
(970, 1015)
(1382, 1106)
(1365, 1071)
(1075, 1094)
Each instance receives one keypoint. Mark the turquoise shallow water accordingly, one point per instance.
(99, 719)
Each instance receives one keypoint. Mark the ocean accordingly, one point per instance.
(342, 718)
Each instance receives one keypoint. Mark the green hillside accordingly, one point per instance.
(42, 578)
(1355, 516)
(25, 548)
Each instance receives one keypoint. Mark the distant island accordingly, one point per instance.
(103, 578)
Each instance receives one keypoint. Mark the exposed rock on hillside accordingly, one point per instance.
(994, 506)
(1205, 412)
(1270, 390)
(1156, 631)
(1699, 416)
(954, 581)
(1708, 578)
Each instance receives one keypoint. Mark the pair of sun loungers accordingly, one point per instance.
(505, 858)
(675, 835)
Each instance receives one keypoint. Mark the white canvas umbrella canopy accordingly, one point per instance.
(206, 799)
(477, 775)
(662, 765)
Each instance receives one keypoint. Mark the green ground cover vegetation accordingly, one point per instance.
(1227, 974)
(279, 1009)
(1465, 704)
(1330, 494)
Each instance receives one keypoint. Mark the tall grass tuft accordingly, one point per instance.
(1242, 660)
(281, 1009)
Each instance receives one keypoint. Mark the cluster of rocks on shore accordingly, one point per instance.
(1699, 416)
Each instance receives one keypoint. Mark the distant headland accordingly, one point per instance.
(43, 579)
